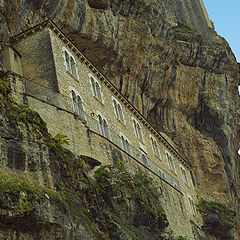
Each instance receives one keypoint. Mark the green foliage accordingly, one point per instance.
(226, 215)
(142, 178)
(120, 164)
(17, 192)
(4, 87)
(20, 112)
(58, 141)
(181, 238)
(100, 171)
(212, 24)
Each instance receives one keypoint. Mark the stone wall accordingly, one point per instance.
(36, 49)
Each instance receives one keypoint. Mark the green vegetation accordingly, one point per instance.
(142, 178)
(181, 238)
(4, 88)
(226, 215)
(114, 183)
(18, 193)
(20, 112)
(100, 171)
(218, 218)
(212, 23)
(58, 141)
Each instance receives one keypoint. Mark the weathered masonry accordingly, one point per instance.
(74, 98)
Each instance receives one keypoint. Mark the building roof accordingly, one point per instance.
(51, 25)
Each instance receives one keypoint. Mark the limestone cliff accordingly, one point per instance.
(183, 78)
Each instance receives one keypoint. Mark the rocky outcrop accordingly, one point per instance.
(183, 81)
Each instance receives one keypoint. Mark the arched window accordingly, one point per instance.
(98, 91)
(138, 130)
(74, 99)
(184, 175)
(70, 62)
(125, 144)
(170, 162)
(73, 67)
(96, 88)
(103, 127)
(77, 104)
(155, 147)
(116, 108)
(100, 124)
(192, 205)
(93, 87)
(80, 108)
(67, 61)
(106, 130)
(120, 113)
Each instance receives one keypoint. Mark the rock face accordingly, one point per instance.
(183, 81)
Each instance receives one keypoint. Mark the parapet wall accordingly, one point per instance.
(188, 12)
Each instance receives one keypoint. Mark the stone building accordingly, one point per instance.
(74, 98)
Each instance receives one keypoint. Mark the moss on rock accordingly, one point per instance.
(218, 218)
(17, 193)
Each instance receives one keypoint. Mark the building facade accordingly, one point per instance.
(75, 99)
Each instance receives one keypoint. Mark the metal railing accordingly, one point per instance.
(60, 101)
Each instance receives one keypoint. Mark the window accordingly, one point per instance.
(118, 110)
(138, 130)
(96, 89)
(93, 87)
(192, 205)
(67, 61)
(170, 162)
(78, 105)
(74, 99)
(125, 144)
(80, 110)
(155, 147)
(70, 63)
(184, 175)
(73, 67)
(103, 127)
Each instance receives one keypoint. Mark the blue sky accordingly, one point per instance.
(226, 17)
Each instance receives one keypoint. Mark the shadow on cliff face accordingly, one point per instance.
(210, 123)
